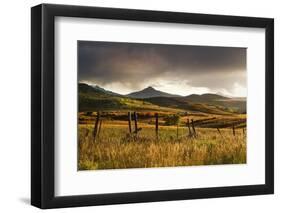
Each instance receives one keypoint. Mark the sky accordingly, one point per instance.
(175, 69)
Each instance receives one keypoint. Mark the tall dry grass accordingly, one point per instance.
(115, 149)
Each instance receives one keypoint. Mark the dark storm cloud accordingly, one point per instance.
(133, 64)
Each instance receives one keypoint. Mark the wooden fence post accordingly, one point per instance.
(177, 131)
(189, 130)
(193, 128)
(136, 122)
(129, 122)
(219, 131)
(233, 129)
(156, 125)
(96, 126)
(99, 129)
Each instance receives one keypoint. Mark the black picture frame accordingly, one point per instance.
(43, 117)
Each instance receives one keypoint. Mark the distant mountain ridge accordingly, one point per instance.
(98, 98)
(205, 97)
(85, 88)
(150, 92)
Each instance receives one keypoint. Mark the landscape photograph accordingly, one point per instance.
(146, 105)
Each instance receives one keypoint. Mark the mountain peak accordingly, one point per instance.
(149, 88)
(150, 92)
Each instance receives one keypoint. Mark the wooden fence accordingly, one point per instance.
(190, 125)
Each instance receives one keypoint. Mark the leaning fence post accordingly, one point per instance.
(129, 122)
(96, 126)
(156, 125)
(193, 128)
(99, 128)
(233, 129)
(219, 131)
(188, 125)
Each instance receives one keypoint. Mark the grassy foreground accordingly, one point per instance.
(115, 149)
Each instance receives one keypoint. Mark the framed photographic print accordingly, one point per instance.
(139, 106)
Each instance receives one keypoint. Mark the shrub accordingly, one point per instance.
(171, 120)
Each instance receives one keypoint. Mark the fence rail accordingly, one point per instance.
(190, 125)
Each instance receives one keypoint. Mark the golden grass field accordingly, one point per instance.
(114, 148)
